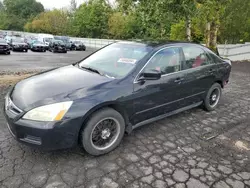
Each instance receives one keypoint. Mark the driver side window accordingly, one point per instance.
(165, 61)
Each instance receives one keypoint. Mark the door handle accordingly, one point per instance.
(179, 80)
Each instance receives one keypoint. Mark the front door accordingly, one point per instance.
(153, 98)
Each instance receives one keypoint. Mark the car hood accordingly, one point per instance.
(39, 45)
(55, 86)
(19, 43)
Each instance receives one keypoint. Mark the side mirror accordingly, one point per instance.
(150, 75)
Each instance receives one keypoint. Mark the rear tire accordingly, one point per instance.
(103, 132)
(213, 97)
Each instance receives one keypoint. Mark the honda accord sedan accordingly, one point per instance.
(122, 86)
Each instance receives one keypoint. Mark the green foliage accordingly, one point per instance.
(178, 31)
(23, 8)
(91, 19)
(54, 22)
(16, 13)
(236, 22)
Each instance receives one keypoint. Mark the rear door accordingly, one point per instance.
(199, 74)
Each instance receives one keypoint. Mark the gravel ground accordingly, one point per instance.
(194, 149)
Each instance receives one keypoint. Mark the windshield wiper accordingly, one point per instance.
(92, 70)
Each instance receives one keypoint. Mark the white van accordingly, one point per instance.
(45, 38)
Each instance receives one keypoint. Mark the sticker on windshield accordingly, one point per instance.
(127, 60)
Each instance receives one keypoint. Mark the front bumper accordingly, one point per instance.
(60, 50)
(44, 135)
(20, 48)
(4, 50)
(39, 48)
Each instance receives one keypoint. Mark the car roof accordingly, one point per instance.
(56, 40)
(157, 43)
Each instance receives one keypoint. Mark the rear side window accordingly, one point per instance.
(194, 57)
(215, 58)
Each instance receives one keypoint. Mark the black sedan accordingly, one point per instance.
(37, 46)
(18, 44)
(57, 46)
(115, 90)
(79, 46)
(4, 47)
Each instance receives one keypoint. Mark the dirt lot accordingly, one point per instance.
(194, 149)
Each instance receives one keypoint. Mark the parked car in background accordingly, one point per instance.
(38, 46)
(116, 89)
(45, 38)
(57, 46)
(73, 45)
(4, 47)
(18, 44)
(9, 38)
(28, 40)
(66, 41)
(79, 46)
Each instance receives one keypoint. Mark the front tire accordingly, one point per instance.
(213, 97)
(103, 132)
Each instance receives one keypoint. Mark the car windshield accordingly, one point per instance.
(47, 39)
(38, 42)
(64, 39)
(116, 60)
(58, 42)
(18, 40)
(78, 42)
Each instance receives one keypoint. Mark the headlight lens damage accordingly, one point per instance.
(52, 112)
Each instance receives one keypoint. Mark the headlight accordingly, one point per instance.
(52, 112)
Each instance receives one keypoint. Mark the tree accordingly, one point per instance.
(211, 12)
(54, 22)
(184, 9)
(18, 12)
(235, 22)
(122, 26)
(153, 19)
(91, 19)
(73, 5)
(23, 8)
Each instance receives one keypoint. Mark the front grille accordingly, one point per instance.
(10, 106)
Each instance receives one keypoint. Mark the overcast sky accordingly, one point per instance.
(50, 4)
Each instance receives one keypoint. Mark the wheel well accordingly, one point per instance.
(220, 82)
(113, 106)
